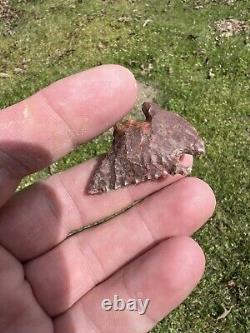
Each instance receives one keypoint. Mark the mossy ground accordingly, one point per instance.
(173, 46)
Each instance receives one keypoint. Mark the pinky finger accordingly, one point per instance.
(164, 276)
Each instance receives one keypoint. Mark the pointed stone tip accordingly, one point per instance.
(200, 148)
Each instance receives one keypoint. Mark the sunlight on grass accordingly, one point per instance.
(173, 46)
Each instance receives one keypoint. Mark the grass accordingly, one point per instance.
(175, 52)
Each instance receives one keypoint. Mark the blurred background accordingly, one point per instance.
(191, 57)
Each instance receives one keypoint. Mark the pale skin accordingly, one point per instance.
(52, 284)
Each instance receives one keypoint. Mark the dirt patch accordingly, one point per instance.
(202, 4)
(231, 27)
(7, 13)
(146, 92)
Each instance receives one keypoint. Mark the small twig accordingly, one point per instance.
(225, 312)
(146, 23)
(102, 221)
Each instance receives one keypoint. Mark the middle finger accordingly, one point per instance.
(65, 274)
(40, 217)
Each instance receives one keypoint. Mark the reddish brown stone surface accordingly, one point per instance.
(146, 150)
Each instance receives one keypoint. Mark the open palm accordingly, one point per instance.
(51, 283)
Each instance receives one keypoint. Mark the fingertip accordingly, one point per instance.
(193, 255)
(123, 82)
(92, 101)
(123, 72)
(203, 191)
(188, 262)
(196, 204)
(167, 274)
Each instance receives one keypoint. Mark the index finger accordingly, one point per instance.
(49, 124)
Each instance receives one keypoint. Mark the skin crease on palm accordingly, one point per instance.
(49, 284)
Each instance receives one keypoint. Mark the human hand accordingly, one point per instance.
(52, 284)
